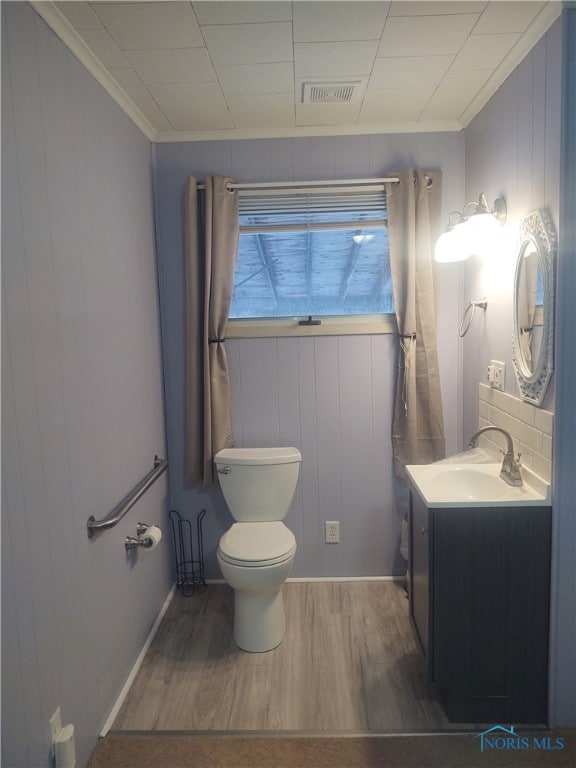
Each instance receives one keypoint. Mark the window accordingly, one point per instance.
(314, 253)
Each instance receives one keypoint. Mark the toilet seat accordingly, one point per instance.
(257, 544)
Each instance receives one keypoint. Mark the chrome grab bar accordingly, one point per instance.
(93, 525)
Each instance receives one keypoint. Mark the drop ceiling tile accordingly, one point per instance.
(484, 51)
(270, 109)
(394, 104)
(426, 35)
(249, 43)
(342, 60)
(338, 21)
(183, 65)
(257, 78)
(131, 84)
(80, 15)
(425, 8)
(241, 12)
(151, 25)
(193, 106)
(507, 17)
(454, 94)
(409, 71)
(435, 56)
(327, 114)
(104, 47)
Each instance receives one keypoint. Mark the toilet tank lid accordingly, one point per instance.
(258, 456)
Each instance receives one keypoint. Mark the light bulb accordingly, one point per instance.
(452, 245)
(482, 233)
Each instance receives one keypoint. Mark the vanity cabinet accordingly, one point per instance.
(479, 603)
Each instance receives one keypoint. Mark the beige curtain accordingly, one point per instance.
(211, 242)
(413, 227)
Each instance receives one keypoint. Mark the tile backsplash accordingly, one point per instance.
(531, 429)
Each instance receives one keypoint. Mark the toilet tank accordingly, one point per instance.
(258, 483)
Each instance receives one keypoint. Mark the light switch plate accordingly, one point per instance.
(499, 374)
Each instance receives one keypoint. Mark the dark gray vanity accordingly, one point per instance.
(480, 537)
(479, 604)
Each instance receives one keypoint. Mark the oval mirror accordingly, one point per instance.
(533, 337)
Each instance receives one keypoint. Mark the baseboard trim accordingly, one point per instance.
(345, 578)
(312, 579)
(136, 666)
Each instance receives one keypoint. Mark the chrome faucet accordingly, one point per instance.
(510, 471)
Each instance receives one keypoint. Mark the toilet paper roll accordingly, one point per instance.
(65, 748)
(152, 537)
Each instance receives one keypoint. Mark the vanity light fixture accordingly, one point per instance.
(469, 231)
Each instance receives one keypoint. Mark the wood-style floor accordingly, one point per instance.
(348, 662)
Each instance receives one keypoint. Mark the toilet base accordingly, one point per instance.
(259, 620)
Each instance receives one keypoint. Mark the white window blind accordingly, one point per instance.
(322, 208)
(317, 251)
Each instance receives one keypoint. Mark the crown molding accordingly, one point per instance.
(66, 32)
(535, 31)
(293, 132)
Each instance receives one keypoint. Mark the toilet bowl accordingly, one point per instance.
(256, 554)
(256, 574)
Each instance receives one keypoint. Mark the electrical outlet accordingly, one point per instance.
(332, 531)
(55, 725)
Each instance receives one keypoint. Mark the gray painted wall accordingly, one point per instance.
(331, 397)
(81, 393)
(563, 627)
(513, 148)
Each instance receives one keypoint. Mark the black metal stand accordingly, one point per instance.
(189, 571)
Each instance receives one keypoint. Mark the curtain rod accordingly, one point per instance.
(298, 184)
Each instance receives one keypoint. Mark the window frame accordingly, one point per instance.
(270, 327)
(341, 325)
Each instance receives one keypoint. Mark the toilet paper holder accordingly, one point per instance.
(147, 542)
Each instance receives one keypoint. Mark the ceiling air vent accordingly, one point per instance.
(330, 93)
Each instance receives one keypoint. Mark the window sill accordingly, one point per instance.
(330, 326)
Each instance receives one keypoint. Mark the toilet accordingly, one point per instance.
(257, 552)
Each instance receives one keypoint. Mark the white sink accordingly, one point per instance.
(475, 485)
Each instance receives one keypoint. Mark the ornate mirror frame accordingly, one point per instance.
(536, 231)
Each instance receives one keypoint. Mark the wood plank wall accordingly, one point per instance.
(512, 149)
(81, 392)
(331, 397)
(515, 147)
